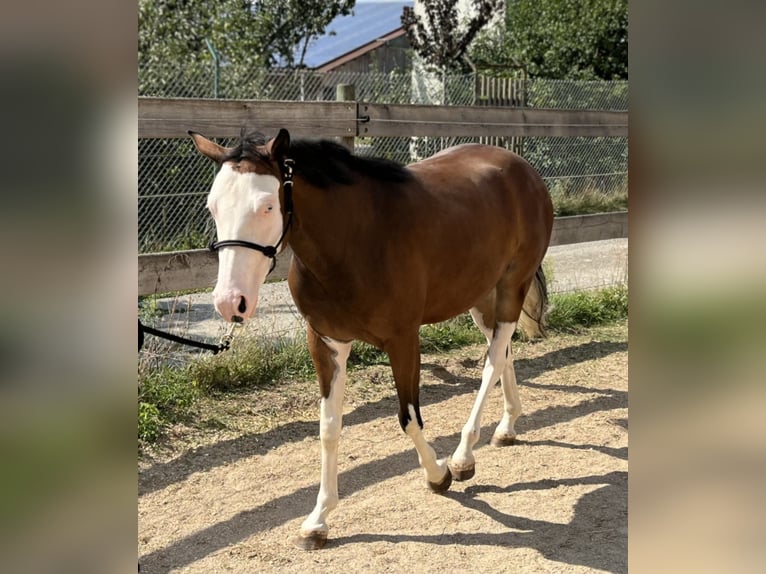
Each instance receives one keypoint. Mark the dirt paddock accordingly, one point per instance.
(228, 493)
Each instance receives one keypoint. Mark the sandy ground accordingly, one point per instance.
(228, 494)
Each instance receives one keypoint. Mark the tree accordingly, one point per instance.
(245, 32)
(440, 38)
(283, 25)
(559, 39)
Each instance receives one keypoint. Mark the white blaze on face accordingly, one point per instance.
(244, 206)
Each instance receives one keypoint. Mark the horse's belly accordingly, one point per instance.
(451, 298)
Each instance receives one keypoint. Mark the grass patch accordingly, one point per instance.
(169, 394)
(363, 354)
(571, 312)
(452, 334)
(436, 338)
(253, 363)
(587, 201)
(165, 396)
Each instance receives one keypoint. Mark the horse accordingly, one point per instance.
(380, 249)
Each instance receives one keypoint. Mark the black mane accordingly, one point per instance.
(324, 162)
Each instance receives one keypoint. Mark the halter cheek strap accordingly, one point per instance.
(269, 251)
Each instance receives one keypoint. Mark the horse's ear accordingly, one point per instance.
(208, 148)
(279, 146)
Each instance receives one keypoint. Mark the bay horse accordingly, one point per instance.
(380, 249)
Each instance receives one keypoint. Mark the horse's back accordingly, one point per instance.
(483, 189)
(484, 210)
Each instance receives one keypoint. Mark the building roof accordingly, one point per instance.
(345, 34)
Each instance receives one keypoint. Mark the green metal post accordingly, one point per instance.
(217, 66)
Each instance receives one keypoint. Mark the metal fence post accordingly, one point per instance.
(346, 93)
(216, 67)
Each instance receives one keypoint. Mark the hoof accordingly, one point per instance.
(443, 485)
(502, 440)
(313, 541)
(463, 473)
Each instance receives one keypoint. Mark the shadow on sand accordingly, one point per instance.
(594, 522)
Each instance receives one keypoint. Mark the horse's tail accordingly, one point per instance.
(532, 318)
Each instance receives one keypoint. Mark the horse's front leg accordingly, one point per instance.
(329, 357)
(404, 355)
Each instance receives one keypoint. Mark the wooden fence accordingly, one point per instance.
(492, 91)
(172, 118)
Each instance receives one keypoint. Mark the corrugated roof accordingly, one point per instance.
(370, 21)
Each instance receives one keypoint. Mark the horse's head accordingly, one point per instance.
(245, 204)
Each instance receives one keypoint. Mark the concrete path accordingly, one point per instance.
(573, 267)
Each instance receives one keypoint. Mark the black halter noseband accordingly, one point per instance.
(269, 251)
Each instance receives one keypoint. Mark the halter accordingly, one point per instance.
(269, 251)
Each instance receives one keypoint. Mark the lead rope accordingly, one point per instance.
(223, 345)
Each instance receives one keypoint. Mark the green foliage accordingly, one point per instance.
(452, 334)
(440, 38)
(573, 39)
(363, 354)
(579, 94)
(567, 159)
(587, 200)
(251, 364)
(169, 394)
(173, 35)
(435, 338)
(283, 24)
(149, 422)
(573, 311)
(165, 396)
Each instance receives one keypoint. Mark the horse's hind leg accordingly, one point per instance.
(505, 433)
(497, 317)
(483, 315)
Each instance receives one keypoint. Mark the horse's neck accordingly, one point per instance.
(322, 226)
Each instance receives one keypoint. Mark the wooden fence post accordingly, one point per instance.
(346, 93)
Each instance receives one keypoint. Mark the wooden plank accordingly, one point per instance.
(197, 269)
(477, 121)
(193, 269)
(595, 227)
(176, 271)
(173, 117)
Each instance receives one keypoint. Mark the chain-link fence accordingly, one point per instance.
(174, 179)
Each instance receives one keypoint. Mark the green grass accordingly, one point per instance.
(587, 201)
(165, 396)
(452, 334)
(571, 312)
(437, 338)
(169, 394)
(253, 363)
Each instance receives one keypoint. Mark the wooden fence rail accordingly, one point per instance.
(197, 268)
(173, 117)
